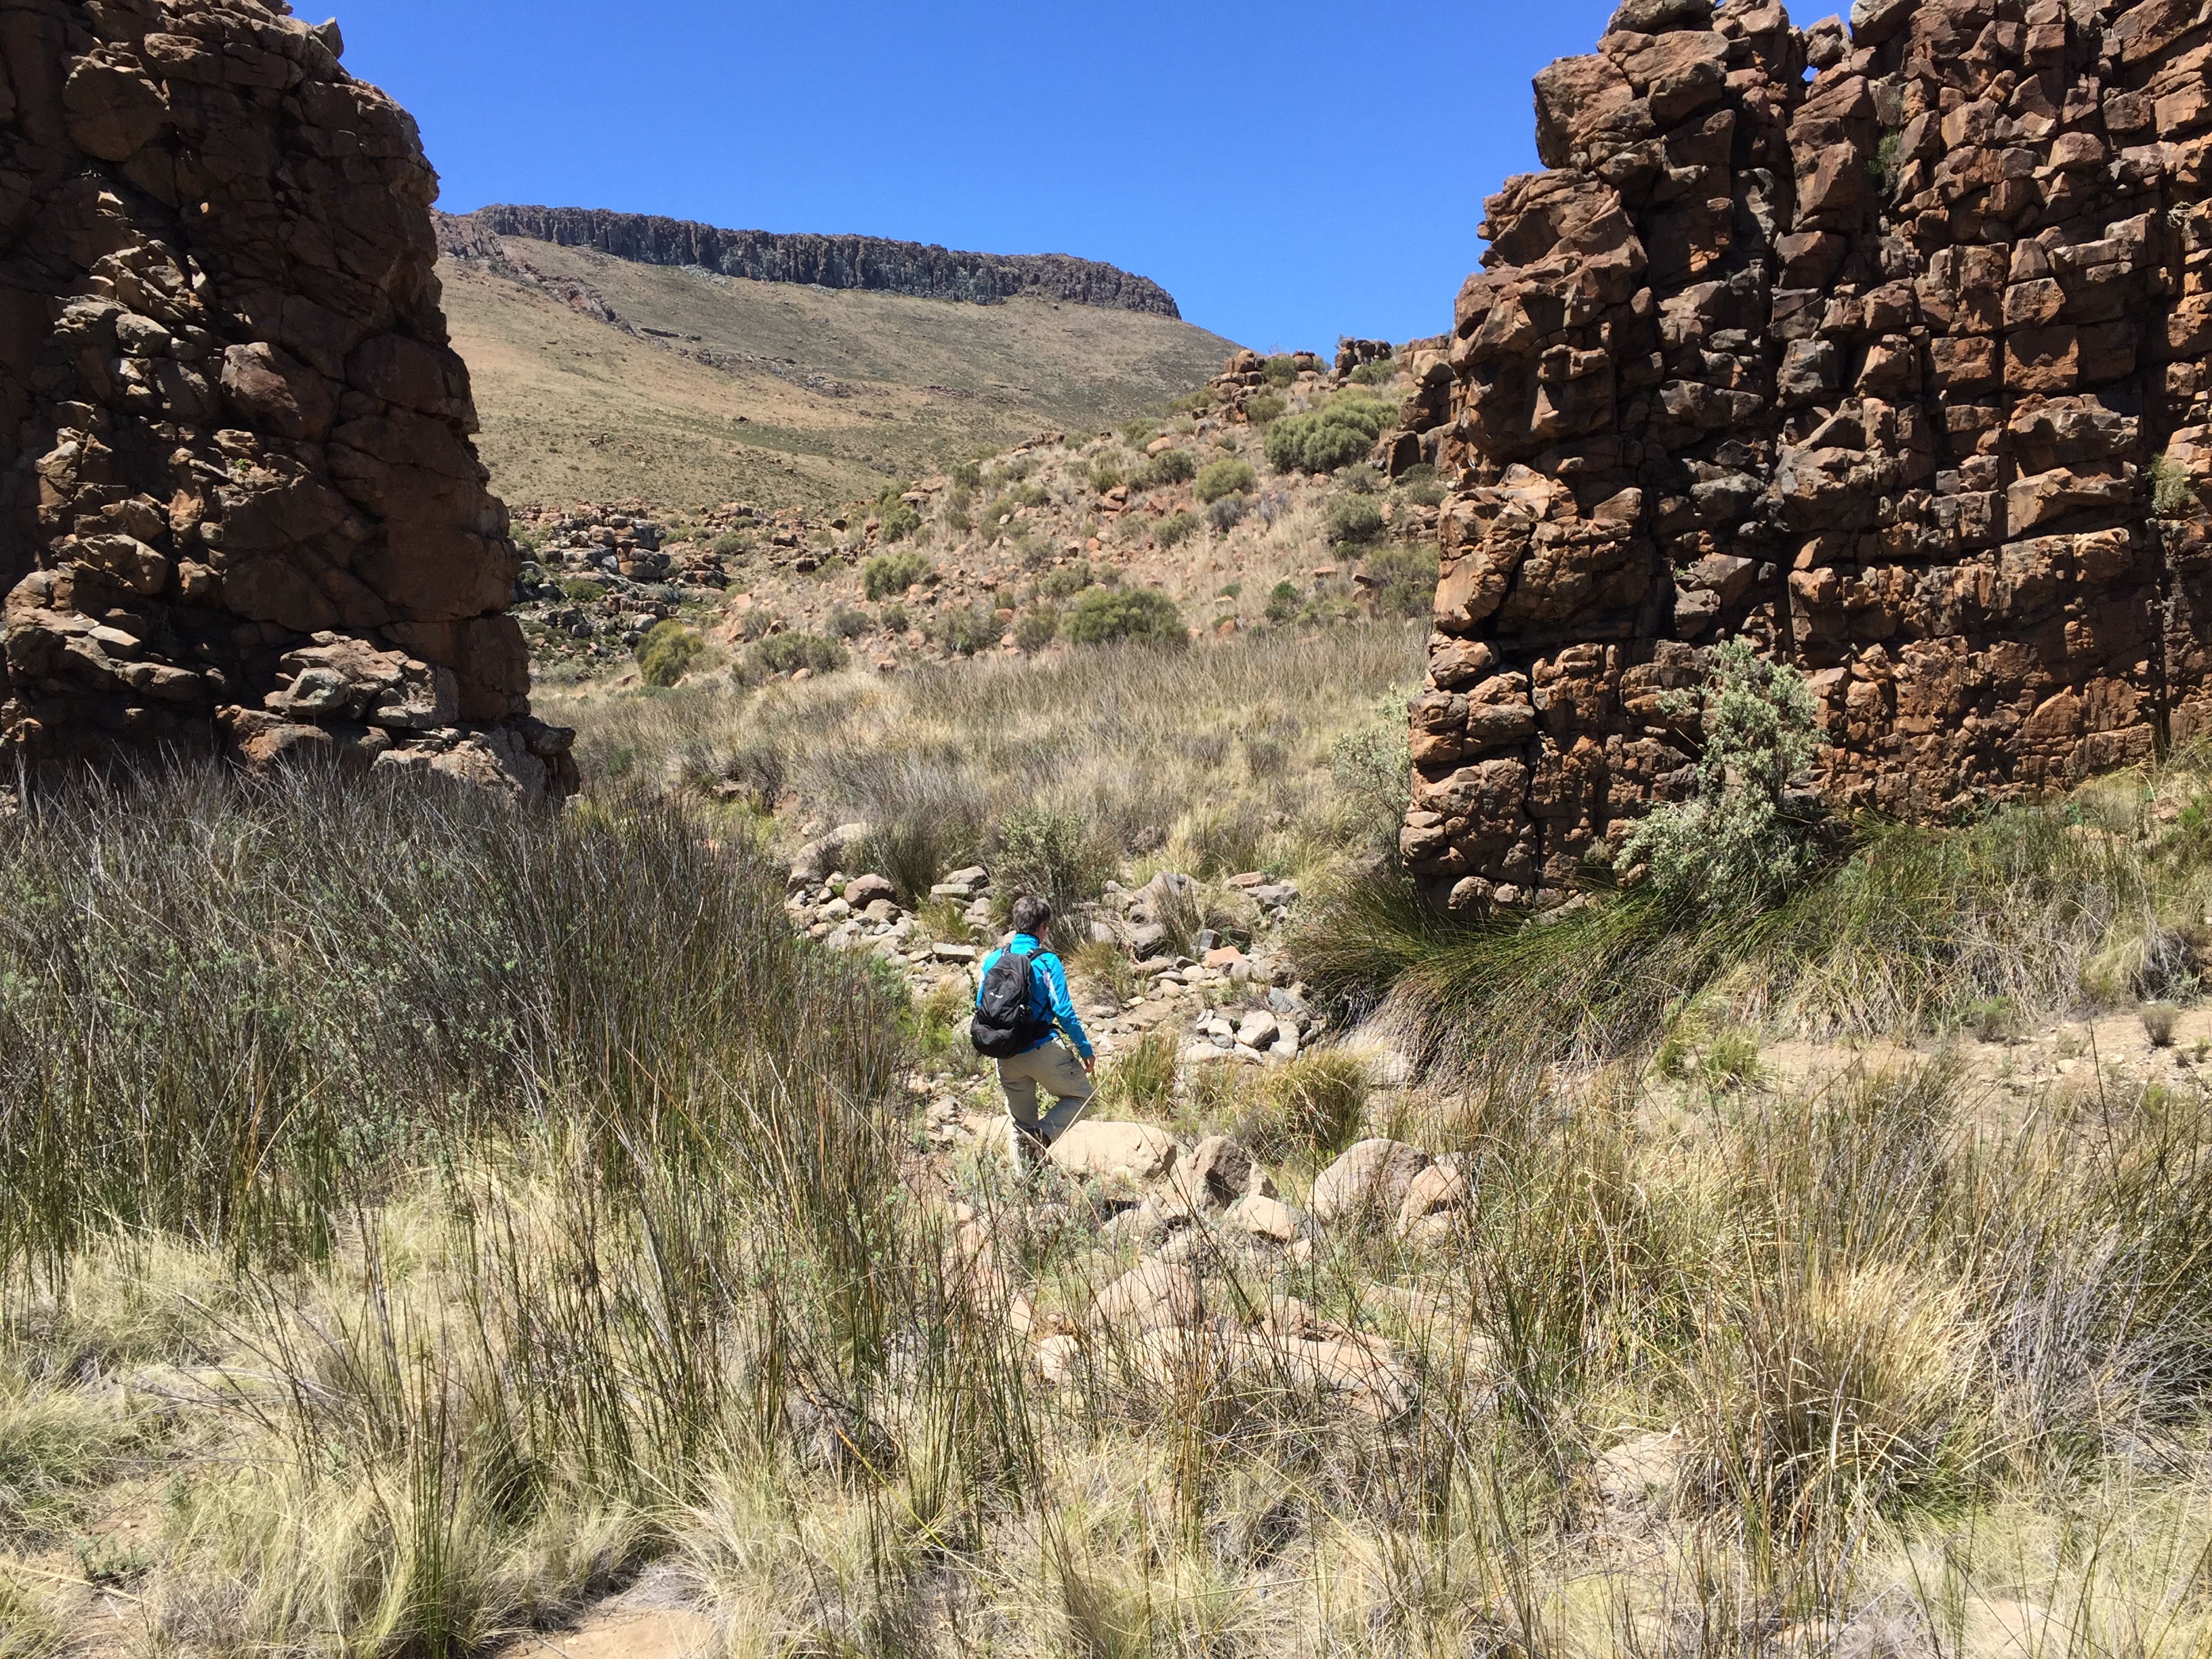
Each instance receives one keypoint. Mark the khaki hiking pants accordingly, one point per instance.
(1054, 1068)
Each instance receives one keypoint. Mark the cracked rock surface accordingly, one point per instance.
(1863, 345)
(239, 507)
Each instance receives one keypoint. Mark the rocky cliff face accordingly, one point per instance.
(239, 504)
(1885, 349)
(866, 262)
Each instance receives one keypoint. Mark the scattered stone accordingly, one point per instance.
(863, 890)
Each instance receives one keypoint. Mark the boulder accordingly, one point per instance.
(1149, 1297)
(1105, 1149)
(1219, 1171)
(1264, 1217)
(1374, 1174)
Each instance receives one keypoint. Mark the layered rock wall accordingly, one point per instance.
(1884, 349)
(864, 262)
(239, 504)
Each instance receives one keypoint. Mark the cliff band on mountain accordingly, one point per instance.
(925, 272)
(239, 504)
(1885, 351)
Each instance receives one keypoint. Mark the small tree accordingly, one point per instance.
(1734, 843)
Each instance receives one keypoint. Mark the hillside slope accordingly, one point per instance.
(597, 378)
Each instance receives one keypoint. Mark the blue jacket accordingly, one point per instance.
(1049, 979)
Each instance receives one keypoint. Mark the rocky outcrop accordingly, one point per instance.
(865, 261)
(240, 508)
(1884, 349)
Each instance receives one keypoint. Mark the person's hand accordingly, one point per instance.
(1089, 1064)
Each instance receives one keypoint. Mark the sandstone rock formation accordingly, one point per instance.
(865, 261)
(1885, 349)
(239, 504)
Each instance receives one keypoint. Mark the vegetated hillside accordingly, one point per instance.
(608, 379)
(1216, 503)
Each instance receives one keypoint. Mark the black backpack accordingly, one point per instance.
(1005, 1023)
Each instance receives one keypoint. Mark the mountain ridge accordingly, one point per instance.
(876, 264)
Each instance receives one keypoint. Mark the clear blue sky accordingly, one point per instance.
(1291, 171)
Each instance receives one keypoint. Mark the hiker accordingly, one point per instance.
(1021, 1009)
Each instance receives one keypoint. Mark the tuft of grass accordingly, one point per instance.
(1309, 1109)
(1140, 1081)
(2158, 1020)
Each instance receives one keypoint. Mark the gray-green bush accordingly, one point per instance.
(1144, 615)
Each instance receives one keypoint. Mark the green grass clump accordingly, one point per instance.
(667, 653)
(1280, 369)
(1140, 1082)
(1224, 478)
(1339, 433)
(888, 575)
(1144, 615)
(582, 591)
(1177, 529)
(1265, 408)
(1309, 1109)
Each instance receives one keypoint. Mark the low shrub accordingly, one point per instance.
(735, 541)
(1170, 466)
(1280, 369)
(1381, 372)
(1351, 520)
(1225, 514)
(667, 652)
(1105, 476)
(1734, 843)
(892, 618)
(1403, 580)
(581, 590)
(1226, 477)
(901, 521)
(1036, 627)
(2158, 1020)
(963, 633)
(786, 653)
(1336, 434)
(1177, 529)
(1056, 856)
(967, 476)
(1065, 582)
(1283, 602)
(887, 576)
(1264, 410)
(847, 624)
(1373, 772)
(1145, 615)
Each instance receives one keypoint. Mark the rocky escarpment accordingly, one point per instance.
(1884, 350)
(863, 262)
(239, 504)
